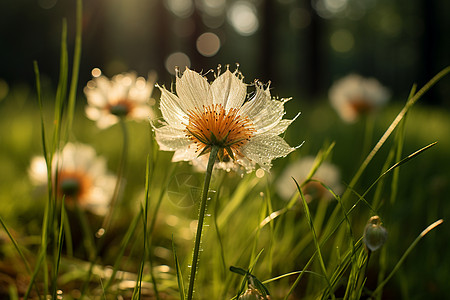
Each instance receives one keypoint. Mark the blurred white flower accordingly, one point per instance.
(327, 173)
(204, 114)
(124, 96)
(354, 95)
(82, 177)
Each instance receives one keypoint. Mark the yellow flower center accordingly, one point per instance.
(213, 126)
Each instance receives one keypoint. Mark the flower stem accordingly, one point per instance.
(120, 175)
(201, 217)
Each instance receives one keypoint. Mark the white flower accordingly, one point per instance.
(354, 95)
(82, 177)
(204, 114)
(124, 96)
(327, 173)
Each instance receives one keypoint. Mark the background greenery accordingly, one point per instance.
(397, 43)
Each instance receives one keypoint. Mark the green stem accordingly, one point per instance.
(201, 217)
(120, 175)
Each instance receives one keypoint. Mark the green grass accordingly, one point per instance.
(394, 166)
(236, 209)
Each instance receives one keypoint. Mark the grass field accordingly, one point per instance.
(237, 231)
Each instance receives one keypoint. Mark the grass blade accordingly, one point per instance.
(180, 281)
(402, 259)
(75, 66)
(313, 231)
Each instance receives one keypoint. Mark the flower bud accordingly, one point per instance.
(375, 235)
(252, 294)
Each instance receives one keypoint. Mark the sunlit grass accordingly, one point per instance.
(393, 166)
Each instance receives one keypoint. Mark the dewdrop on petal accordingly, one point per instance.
(375, 234)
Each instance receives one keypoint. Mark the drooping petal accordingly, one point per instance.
(264, 148)
(264, 112)
(171, 110)
(171, 139)
(228, 90)
(193, 90)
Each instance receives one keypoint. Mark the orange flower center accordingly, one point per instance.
(361, 106)
(213, 126)
(121, 108)
(73, 185)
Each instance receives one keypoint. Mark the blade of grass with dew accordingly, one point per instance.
(58, 254)
(179, 273)
(311, 225)
(402, 259)
(75, 66)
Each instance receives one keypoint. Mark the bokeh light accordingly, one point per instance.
(342, 40)
(208, 44)
(180, 8)
(96, 72)
(177, 59)
(242, 16)
(47, 4)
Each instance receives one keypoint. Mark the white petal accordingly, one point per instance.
(106, 121)
(142, 112)
(228, 90)
(185, 154)
(264, 112)
(264, 148)
(171, 111)
(95, 97)
(93, 113)
(171, 139)
(280, 127)
(193, 90)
